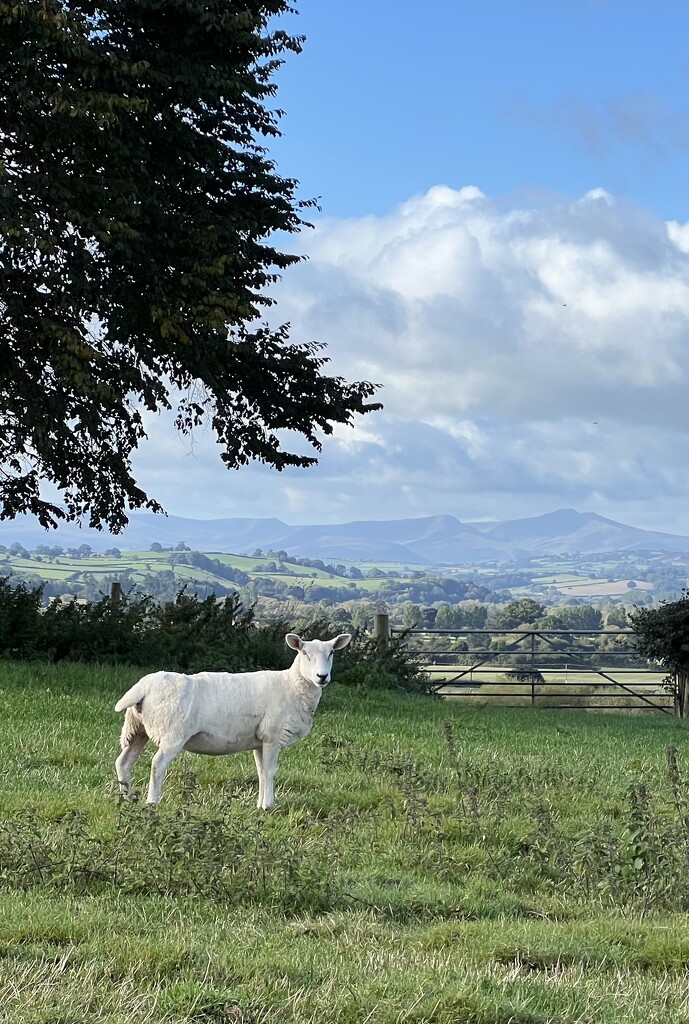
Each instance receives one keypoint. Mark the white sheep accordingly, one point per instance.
(224, 712)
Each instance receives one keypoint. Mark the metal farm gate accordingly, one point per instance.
(565, 668)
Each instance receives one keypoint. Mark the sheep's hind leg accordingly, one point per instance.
(134, 739)
(159, 766)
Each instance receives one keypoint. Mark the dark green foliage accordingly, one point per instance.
(94, 631)
(195, 635)
(520, 612)
(662, 634)
(187, 635)
(377, 666)
(138, 206)
(20, 619)
(227, 861)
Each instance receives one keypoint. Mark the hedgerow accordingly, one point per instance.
(187, 635)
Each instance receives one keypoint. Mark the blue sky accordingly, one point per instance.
(502, 245)
(391, 98)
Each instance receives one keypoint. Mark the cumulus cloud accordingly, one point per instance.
(530, 357)
(679, 235)
(461, 308)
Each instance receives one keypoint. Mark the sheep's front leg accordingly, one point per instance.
(159, 766)
(268, 758)
(258, 758)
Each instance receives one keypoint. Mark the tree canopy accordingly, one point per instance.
(139, 212)
(662, 634)
(521, 611)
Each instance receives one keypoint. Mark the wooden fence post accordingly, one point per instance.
(381, 628)
(115, 594)
(681, 693)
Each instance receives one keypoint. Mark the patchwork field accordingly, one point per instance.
(548, 579)
(603, 588)
(138, 566)
(425, 862)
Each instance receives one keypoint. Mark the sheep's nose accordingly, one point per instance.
(322, 679)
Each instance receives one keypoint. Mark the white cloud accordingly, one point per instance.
(530, 357)
(679, 235)
(457, 306)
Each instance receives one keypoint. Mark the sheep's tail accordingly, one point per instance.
(132, 696)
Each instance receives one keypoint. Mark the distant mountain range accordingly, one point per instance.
(431, 540)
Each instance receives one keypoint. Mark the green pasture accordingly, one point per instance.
(565, 565)
(427, 861)
(586, 690)
(564, 578)
(141, 563)
(63, 567)
(305, 575)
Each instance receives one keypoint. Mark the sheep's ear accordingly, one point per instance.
(294, 641)
(338, 642)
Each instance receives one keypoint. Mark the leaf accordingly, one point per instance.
(142, 200)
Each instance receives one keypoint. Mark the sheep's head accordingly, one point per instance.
(315, 657)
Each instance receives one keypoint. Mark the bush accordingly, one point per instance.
(187, 635)
(20, 619)
(367, 662)
(370, 664)
(662, 635)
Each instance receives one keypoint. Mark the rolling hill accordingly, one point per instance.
(429, 540)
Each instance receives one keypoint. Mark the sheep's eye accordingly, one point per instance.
(306, 655)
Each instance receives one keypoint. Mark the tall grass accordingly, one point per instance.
(425, 862)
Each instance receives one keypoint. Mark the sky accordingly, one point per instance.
(502, 246)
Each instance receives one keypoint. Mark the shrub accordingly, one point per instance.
(187, 635)
(20, 619)
(662, 634)
(373, 665)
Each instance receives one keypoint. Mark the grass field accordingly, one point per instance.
(140, 564)
(563, 687)
(426, 862)
(602, 588)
